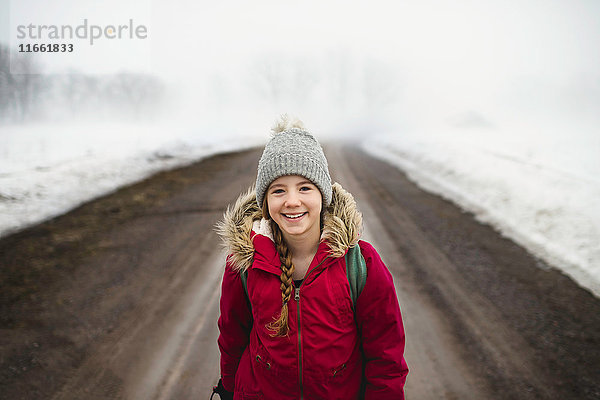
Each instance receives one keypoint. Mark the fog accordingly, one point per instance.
(420, 66)
(346, 67)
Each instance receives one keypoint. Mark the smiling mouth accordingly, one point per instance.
(294, 216)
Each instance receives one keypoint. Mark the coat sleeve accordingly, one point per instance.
(382, 331)
(235, 323)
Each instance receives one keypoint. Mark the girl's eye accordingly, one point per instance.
(305, 188)
(277, 191)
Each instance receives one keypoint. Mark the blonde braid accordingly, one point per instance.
(279, 326)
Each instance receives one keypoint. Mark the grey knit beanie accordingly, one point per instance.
(293, 151)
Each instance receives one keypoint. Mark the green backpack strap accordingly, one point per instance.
(244, 278)
(356, 270)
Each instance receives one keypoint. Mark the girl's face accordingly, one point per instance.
(295, 205)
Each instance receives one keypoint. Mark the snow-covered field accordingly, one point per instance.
(541, 192)
(47, 170)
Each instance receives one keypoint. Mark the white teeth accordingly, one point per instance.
(293, 215)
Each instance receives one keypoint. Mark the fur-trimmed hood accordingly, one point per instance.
(341, 230)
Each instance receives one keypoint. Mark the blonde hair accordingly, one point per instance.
(279, 326)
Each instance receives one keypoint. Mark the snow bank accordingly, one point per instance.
(544, 195)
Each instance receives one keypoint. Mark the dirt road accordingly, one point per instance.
(118, 299)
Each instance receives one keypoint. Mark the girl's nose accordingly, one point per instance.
(292, 200)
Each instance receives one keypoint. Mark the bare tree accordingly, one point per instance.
(28, 96)
(17, 89)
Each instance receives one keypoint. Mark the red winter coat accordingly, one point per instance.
(330, 349)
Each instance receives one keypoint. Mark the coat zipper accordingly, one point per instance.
(297, 299)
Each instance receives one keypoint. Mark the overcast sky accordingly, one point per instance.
(464, 61)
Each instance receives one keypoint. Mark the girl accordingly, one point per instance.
(288, 325)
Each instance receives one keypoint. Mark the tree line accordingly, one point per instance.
(54, 97)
